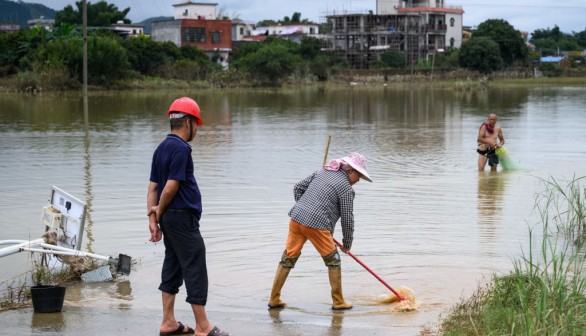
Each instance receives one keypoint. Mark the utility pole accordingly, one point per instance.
(84, 21)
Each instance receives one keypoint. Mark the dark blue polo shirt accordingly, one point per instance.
(172, 161)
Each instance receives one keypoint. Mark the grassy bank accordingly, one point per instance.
(35, 83)
(545, 294)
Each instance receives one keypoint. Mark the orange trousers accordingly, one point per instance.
(322, 240)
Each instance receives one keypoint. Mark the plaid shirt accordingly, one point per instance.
(321, 199)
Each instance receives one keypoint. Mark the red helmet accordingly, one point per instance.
(188, 106)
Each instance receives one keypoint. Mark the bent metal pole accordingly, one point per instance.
(372, 272)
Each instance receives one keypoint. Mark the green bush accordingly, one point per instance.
(394, 59)
(550, 69)
(480, 54)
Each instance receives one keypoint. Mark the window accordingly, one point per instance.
(241, 30)
(312, 30)
(216, 37)
(194, 35)
(452, 41)
(452, 21)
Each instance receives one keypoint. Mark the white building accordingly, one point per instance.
(45, 23)
(195, 11)
(196, 24)
(291, 31)
(241, 29)
(128, 30)
(444, 23)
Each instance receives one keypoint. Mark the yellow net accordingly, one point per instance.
(505, 159)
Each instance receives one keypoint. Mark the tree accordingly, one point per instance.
(553, 34)
(309, 47)
(101, 14)
(146, 55)
(581, 38)
(296, 17)
(551, 41)
(393, 59)
(11, 51)
(270, 61)
(511, 45)
(265, 23)
(326, 63)
(481, 54)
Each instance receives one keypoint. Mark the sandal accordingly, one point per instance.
(217, 332)
(179, 331)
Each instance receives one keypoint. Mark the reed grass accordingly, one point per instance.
(14, 296)
(545, 294)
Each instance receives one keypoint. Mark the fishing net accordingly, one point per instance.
(408, 304)
(505, 159)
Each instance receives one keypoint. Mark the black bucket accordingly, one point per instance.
(47, 299)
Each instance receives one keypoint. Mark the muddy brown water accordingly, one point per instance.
(430, 221)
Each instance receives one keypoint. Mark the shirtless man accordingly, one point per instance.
(488, 134)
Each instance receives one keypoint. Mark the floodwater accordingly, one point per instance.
(430, 221)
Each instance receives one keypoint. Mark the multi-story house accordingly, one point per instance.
(419, 29)
(196, 24)
(443, 24)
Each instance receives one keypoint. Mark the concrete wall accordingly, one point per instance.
(166, 31)
(454, 32)
(384, 7)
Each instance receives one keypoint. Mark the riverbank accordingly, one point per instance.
(544, 294)
(457, 79)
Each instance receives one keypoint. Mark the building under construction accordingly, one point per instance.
(362, 38)
(417, 28)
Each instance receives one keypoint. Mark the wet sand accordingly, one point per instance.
(141, 321)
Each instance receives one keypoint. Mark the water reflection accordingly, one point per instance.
(491, 188)
(124, 294)
(47, 322)
(116, 294)
(337, 323)
(87, 168)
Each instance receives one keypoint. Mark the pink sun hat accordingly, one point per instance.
(358, 162)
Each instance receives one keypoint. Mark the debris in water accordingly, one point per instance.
(78, 265)
(406, 305)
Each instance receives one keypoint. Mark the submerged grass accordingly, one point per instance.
(545, 294)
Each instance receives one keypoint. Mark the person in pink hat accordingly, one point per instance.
(321, 199)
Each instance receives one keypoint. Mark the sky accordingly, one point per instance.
(524, 15)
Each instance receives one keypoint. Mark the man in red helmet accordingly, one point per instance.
(174, 210)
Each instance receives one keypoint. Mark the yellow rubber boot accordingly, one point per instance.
(336, 283)
(280, 277)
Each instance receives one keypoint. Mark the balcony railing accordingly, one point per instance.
(440, 27)
(428, 5)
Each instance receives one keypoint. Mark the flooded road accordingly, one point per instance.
(430, 221)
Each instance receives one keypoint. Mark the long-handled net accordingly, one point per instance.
(404, 295)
